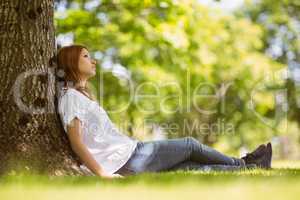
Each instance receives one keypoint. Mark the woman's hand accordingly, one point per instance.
(111, 176)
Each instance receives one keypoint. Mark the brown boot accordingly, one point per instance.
(261, 156)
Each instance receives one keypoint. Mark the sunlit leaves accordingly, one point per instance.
(176, 46)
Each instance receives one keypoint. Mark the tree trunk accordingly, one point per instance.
(31, 136)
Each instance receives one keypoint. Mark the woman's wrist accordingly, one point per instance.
(103, 174)
(100, 173)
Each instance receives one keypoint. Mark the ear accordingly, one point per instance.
(53, 61)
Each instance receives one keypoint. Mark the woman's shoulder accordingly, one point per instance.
(70, 91)
(71, 94)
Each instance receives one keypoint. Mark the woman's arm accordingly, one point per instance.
(74, 134)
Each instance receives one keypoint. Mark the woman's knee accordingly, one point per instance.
(191, 139)
(193, 144)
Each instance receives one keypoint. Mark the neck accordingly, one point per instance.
(81, 84)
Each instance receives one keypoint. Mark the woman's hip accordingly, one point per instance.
(156, 155)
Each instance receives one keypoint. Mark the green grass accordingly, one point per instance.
(282, 182)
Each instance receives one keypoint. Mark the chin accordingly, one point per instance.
(91, 75)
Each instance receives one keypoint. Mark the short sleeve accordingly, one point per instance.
(71, 106)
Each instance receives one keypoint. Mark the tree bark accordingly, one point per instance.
(31, 136)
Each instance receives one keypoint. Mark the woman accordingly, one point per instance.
(108, 153)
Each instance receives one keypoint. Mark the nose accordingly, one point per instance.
(94, 61)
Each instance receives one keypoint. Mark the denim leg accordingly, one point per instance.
(161, 155)
(142, 155)
(152, 156)
(192, 165)
(204, 154)
(171, 152)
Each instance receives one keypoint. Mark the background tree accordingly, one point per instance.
(32, 138)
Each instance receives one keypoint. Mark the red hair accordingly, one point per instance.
(68, 62)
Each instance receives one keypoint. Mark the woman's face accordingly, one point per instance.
(87, 65)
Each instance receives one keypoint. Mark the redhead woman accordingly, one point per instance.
(108, 153)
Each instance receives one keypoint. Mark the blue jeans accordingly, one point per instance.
(175, 154)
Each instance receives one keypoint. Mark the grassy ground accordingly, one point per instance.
(280, 183)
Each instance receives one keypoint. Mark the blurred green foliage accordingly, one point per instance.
(196, 70)
(280, 21)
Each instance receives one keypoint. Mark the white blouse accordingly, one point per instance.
(110, 148)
